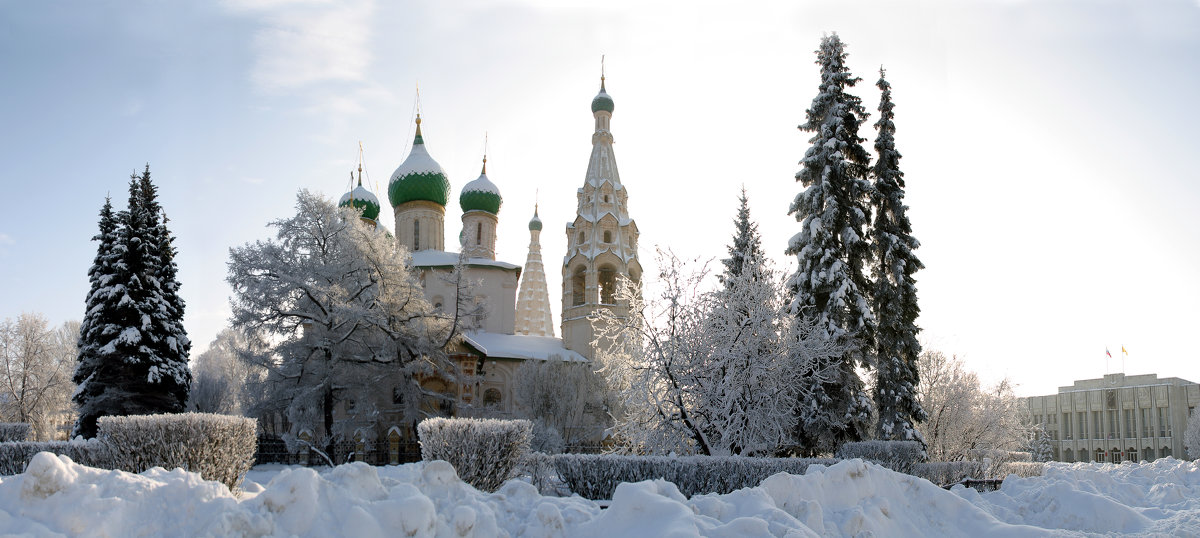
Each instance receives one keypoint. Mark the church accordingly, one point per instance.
(517, 324)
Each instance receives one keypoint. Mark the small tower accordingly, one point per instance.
(480, 202)
(533, 301)
(418, 192)
(360, 198)
(601, 241)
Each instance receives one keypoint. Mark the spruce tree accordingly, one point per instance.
(95, 330)
(131, 364)
(830, 287)
(747, 245)
(894, 295)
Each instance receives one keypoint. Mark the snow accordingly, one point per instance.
(441, 258)
(359, 193)
(519, 346)
(481, 184)
(418, 162)
(56, 496)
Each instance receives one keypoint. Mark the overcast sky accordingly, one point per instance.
(1049, 147)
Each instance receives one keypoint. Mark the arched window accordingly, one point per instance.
(1068, 456)
(393, 445)
(416, 235)
(607, 236)
(491, 397)
(580, 240)
(606, 198)
(478, 233)
(578, 285)
(608, 285)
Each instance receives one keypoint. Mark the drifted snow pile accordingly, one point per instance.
(58, 497)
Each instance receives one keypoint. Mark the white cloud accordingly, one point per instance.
(6, 239)
(307, 42)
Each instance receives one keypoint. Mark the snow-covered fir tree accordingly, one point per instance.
(830, 285)
(176, 346)
(1040, 445)
(133, 354)
(747, 244)
(894, 294)
(101, 299)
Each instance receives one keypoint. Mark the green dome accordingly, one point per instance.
(363, 199)
(419, 177)
(602, 101)
(480, 195)
(535, 224)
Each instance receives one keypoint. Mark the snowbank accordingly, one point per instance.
(56, 496)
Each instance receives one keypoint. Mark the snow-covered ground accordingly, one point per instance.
(57, 497)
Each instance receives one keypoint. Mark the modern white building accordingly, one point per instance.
(1116, 418)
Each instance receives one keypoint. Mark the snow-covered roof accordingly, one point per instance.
(359, 193)
(441, 258)
(519, 346)
(418, 162)
(481, 184)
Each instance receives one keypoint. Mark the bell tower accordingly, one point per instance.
(601, 241)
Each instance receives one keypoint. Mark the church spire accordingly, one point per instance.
(601, 241)
(533, 301)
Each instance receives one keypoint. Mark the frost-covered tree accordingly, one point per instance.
(1191, 436)
(1040, 445)
(133, 350)
(894, 294)
(964, 416)
(708, 372)
(224, 379)
(35, 373)
(830, 285)
(338, 313)
(565, 396)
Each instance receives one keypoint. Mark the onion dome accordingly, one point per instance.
(419, 177)
(602, 101)
(480, 194)
(535, 224)
(362, 199)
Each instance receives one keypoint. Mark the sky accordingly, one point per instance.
(1048, 146)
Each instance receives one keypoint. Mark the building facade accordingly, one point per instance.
(601, 247)
(1116, 418)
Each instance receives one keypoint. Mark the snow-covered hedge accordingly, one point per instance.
(596, 476)
(485, 452)
(219, 447)
(899, 456)
(14, 431)
(15, 455)
(944, 473)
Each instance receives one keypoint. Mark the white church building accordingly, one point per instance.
(517, 326)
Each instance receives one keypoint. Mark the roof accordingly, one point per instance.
(441, 258)
(519, 346)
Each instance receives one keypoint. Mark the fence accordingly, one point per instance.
(272, 449)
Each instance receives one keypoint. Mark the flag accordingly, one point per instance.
(1123, 351)
(1107, 352)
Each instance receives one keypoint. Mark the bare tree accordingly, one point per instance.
(36, 363)
(963, 415)
(224, 379)
(567, 396)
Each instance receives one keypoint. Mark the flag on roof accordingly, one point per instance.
(1123, 350)
(1107, 352)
